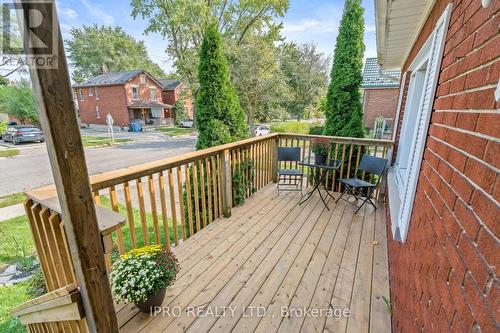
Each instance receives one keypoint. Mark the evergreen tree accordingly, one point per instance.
(219, 116)
(344, 115)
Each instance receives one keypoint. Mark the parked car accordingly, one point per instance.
(260, 130)
(188, 123)
(21, 133)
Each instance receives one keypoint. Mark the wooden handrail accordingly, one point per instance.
(338, 139)
(107, 179)
(63, 304)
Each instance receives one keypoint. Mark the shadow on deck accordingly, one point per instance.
(277, 266)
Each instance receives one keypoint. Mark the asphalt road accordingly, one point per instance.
(31, 169)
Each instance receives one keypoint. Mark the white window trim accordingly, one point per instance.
(402, 197)
(138, 93)
(153, 88)
(96, 93)
(80, 94)
(97, 112)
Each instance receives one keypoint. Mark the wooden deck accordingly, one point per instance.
(275, 256)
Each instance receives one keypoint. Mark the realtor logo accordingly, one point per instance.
(35, 28)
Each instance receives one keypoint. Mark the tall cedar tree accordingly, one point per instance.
(219, 116)
(344, 115)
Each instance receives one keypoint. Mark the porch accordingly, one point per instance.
(264, 262)
(261, 268)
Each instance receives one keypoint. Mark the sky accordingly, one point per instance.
(314, 21)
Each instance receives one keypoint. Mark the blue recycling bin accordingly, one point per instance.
(134, 127)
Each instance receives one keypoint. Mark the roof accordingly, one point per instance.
(398, 24)
(169, 84)
(372, 77)
(146, 103)
(110, 78)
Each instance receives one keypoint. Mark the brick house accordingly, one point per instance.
(444, 183)
(128, 96)
(380, 94)
(172, 91)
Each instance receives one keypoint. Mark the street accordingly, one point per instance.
(31, 169)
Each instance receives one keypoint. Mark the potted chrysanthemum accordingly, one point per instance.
(142, 275)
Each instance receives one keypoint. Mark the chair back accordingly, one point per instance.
(373, 165)
(287, 154)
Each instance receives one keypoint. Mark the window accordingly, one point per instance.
(424, 71)
(135, 93)
(153, 93)
(96, 92)
(80, 93)
(97, 113)
(91, 91)
(143, 78)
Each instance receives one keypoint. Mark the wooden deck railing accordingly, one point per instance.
(164, 201)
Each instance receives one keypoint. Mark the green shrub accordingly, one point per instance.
(36, 285)
(316, 130)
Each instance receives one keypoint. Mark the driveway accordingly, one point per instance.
(31, 169)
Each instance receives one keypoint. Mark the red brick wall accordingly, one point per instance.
(114, 100)
(379, 103)
(171, 96)
(111, 100)
(443, 278)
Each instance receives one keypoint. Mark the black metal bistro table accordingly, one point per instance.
(319, 172)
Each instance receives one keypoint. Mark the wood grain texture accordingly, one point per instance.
(57, 115)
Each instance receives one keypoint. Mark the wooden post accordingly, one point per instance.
(58, 119)
(226, 183)
(276, 143)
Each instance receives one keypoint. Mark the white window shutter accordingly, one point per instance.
(424, 114)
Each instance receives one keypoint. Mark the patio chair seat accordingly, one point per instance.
(356, 183)
(290, 172)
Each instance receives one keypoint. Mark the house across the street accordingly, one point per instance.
(172, 91)
(380, 95)
(129, 96)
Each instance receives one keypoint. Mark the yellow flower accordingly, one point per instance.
(146, 250)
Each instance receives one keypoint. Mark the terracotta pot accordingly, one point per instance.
(152, 301)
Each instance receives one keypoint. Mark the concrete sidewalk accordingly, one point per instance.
(7, 213)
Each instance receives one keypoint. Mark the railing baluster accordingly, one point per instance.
(188, 199)
(203, 198)
(154, 213)
(350, 159)
(114, 206)
(215, 187)
(130, 214)
(164, 213)
(342, 165)
(142, 211)
(97, 198)
(171, 191)
(209, 190)
(181, 201)
(196, 197)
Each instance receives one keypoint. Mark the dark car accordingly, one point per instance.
(20, 133)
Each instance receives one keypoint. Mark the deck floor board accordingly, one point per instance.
(260, 269)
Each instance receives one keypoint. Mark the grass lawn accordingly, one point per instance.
(138, 229)
(174, 131)
(16, 244)
(9, 152)
(10, 297)
(93, 141)
(11, 199)
(295, 127)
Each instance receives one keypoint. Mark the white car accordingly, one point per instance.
(188, 123)
(261, 130)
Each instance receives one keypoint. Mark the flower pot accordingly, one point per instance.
(151, 301)
(320, 159)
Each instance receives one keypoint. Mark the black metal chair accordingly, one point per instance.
(370, 164)
(289, 154)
